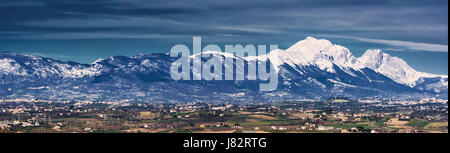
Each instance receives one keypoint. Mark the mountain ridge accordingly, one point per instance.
(311, 68)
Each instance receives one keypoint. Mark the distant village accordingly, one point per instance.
(335, 115)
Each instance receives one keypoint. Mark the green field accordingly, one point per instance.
(417, 123)
(348, 126)
(435, 125)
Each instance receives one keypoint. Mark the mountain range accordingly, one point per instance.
(310, 69)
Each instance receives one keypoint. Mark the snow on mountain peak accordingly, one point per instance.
(23, 64)
(216, 53)
(98, 60)
(393, 67)
(10, 66)
(373, 58)
(319, 52)
(310, 51)
(324, 54)
(312, 43)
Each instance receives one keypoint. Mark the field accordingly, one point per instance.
(417, 123)
(295, 117)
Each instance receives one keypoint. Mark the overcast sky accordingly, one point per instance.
(84, 31)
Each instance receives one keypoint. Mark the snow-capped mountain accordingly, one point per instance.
(394, 67)
(311, 51)
(323, 54)
(311, 68)
(29, 65)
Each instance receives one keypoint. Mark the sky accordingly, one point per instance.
(85, 30)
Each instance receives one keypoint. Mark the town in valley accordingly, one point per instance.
(334, 115)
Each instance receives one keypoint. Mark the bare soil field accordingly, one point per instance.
(265, 117)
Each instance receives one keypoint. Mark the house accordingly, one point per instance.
(237, 126)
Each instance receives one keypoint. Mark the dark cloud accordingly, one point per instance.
(235, 17)
(238, 21)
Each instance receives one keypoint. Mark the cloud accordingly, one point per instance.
(96, 35)
(249, 29)
(398, 43)
(397, 24)
(22, 4)
(287, 20)
(421, 20)
(96, 22)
